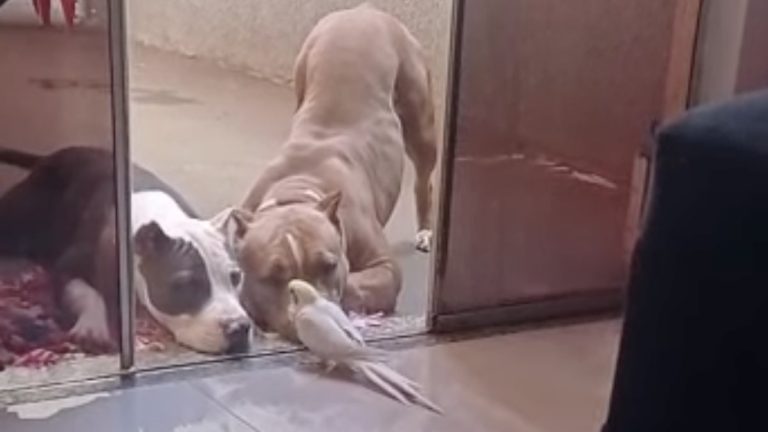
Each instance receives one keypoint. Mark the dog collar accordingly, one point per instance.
(280, 202)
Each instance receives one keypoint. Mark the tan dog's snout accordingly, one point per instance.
(282, 243)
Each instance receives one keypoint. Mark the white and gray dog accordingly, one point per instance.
(62, 215)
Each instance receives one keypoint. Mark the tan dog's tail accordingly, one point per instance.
(19, 158)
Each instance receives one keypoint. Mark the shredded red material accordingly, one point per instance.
(31, 334)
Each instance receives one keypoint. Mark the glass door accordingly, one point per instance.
(60, 315)
(212, 104)
(553, 106)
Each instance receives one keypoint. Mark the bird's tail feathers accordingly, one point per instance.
(394, 384)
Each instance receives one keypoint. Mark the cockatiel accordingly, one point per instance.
(329, 334)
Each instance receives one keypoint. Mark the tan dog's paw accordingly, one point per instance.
(353, 300)
(424, 240)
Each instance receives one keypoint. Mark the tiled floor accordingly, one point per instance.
(550, 380)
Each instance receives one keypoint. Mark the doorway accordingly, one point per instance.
(539, 173)
(210, 109)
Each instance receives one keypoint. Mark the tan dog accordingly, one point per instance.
(318, 211)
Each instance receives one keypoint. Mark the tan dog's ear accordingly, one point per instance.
(233, 223)
(330, 206)
(242, 218)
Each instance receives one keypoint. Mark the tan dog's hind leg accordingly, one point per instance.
(416, 110)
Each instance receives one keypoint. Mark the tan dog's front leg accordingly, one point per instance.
(373, 289)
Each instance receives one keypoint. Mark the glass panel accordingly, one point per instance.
(730, 57)
(58, 280)
(212, 104)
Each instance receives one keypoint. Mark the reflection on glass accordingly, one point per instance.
(58, 299)
(210, 110)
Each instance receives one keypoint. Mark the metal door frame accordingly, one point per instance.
(118, 53)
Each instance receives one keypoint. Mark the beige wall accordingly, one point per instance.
(731, 52)
(264, 36)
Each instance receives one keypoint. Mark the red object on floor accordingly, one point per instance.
(43, 10)
(68, 6)
(31, 334)
(37, 358)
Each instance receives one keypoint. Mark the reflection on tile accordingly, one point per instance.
(166, 408)
(549, 380)
(286, 400)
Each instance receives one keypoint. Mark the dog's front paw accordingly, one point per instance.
(91, 333)
(354, 300)
(424, 240)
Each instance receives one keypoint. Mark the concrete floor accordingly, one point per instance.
(551, 380)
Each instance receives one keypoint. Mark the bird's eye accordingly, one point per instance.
(235, 277)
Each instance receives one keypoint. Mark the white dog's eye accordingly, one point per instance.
(235, 277)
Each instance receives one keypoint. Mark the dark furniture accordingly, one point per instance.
(693, 350)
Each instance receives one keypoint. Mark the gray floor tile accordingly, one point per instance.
(177, 407)
(290, 401)
(547, 380)
(553, 380)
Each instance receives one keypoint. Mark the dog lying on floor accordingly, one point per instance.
(62, 215)
(318, 211)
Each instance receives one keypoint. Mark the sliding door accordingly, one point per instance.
(553, 107)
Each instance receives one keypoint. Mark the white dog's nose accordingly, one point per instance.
(238, 334)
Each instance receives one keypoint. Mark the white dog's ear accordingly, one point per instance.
(330, 206)
(151, 239)
(232, 223)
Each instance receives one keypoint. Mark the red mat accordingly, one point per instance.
(30, 331)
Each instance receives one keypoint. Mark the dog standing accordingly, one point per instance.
(62, 215)
(318, 211)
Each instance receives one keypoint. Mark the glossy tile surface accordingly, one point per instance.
(165, 408)
(550, 380)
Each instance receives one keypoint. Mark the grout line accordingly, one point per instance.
(199, 389)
